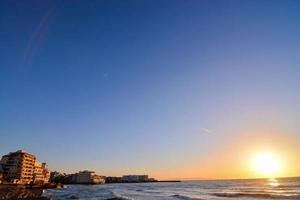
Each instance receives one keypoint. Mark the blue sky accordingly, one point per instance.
(145, 86)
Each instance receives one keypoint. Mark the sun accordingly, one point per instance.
(266, 164)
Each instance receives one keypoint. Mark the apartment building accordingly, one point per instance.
(21, 167)
(41, 173)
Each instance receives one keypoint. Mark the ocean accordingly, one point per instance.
(283, 188)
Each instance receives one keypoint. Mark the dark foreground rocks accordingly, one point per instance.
(13, 192)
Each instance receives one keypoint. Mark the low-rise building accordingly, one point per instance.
(87, 177)
(82, 177)
(135, 178)
(113, 179)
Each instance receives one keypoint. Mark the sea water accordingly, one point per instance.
(284, 188)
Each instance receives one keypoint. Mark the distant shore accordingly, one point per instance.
(163, 181)
(169, 181)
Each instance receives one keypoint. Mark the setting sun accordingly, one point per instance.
(266, 164)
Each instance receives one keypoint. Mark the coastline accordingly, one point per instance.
(35, 192)
(14, 192)
(25, 192)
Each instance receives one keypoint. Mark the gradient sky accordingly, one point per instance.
(174, 89)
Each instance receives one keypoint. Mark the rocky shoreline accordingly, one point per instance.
(25, 192)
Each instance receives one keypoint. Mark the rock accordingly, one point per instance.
(14, 192)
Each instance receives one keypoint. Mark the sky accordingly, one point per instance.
(173, 88)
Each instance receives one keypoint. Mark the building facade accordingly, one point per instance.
(21, 167)
(41, 173)
(87, 177)
(135, 178)
(57, 177)
(1, 177)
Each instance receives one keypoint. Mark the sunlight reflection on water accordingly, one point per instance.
(273, 182)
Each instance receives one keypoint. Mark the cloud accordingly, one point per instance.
(38, 35)
(206, 130)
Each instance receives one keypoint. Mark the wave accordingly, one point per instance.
(182, 197)
(287, 186)
(256, 195)
(117, 196)
(139, 190)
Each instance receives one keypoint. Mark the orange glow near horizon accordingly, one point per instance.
(259, 157)
(244, 155)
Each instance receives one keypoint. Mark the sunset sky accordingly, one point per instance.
(171, 88)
